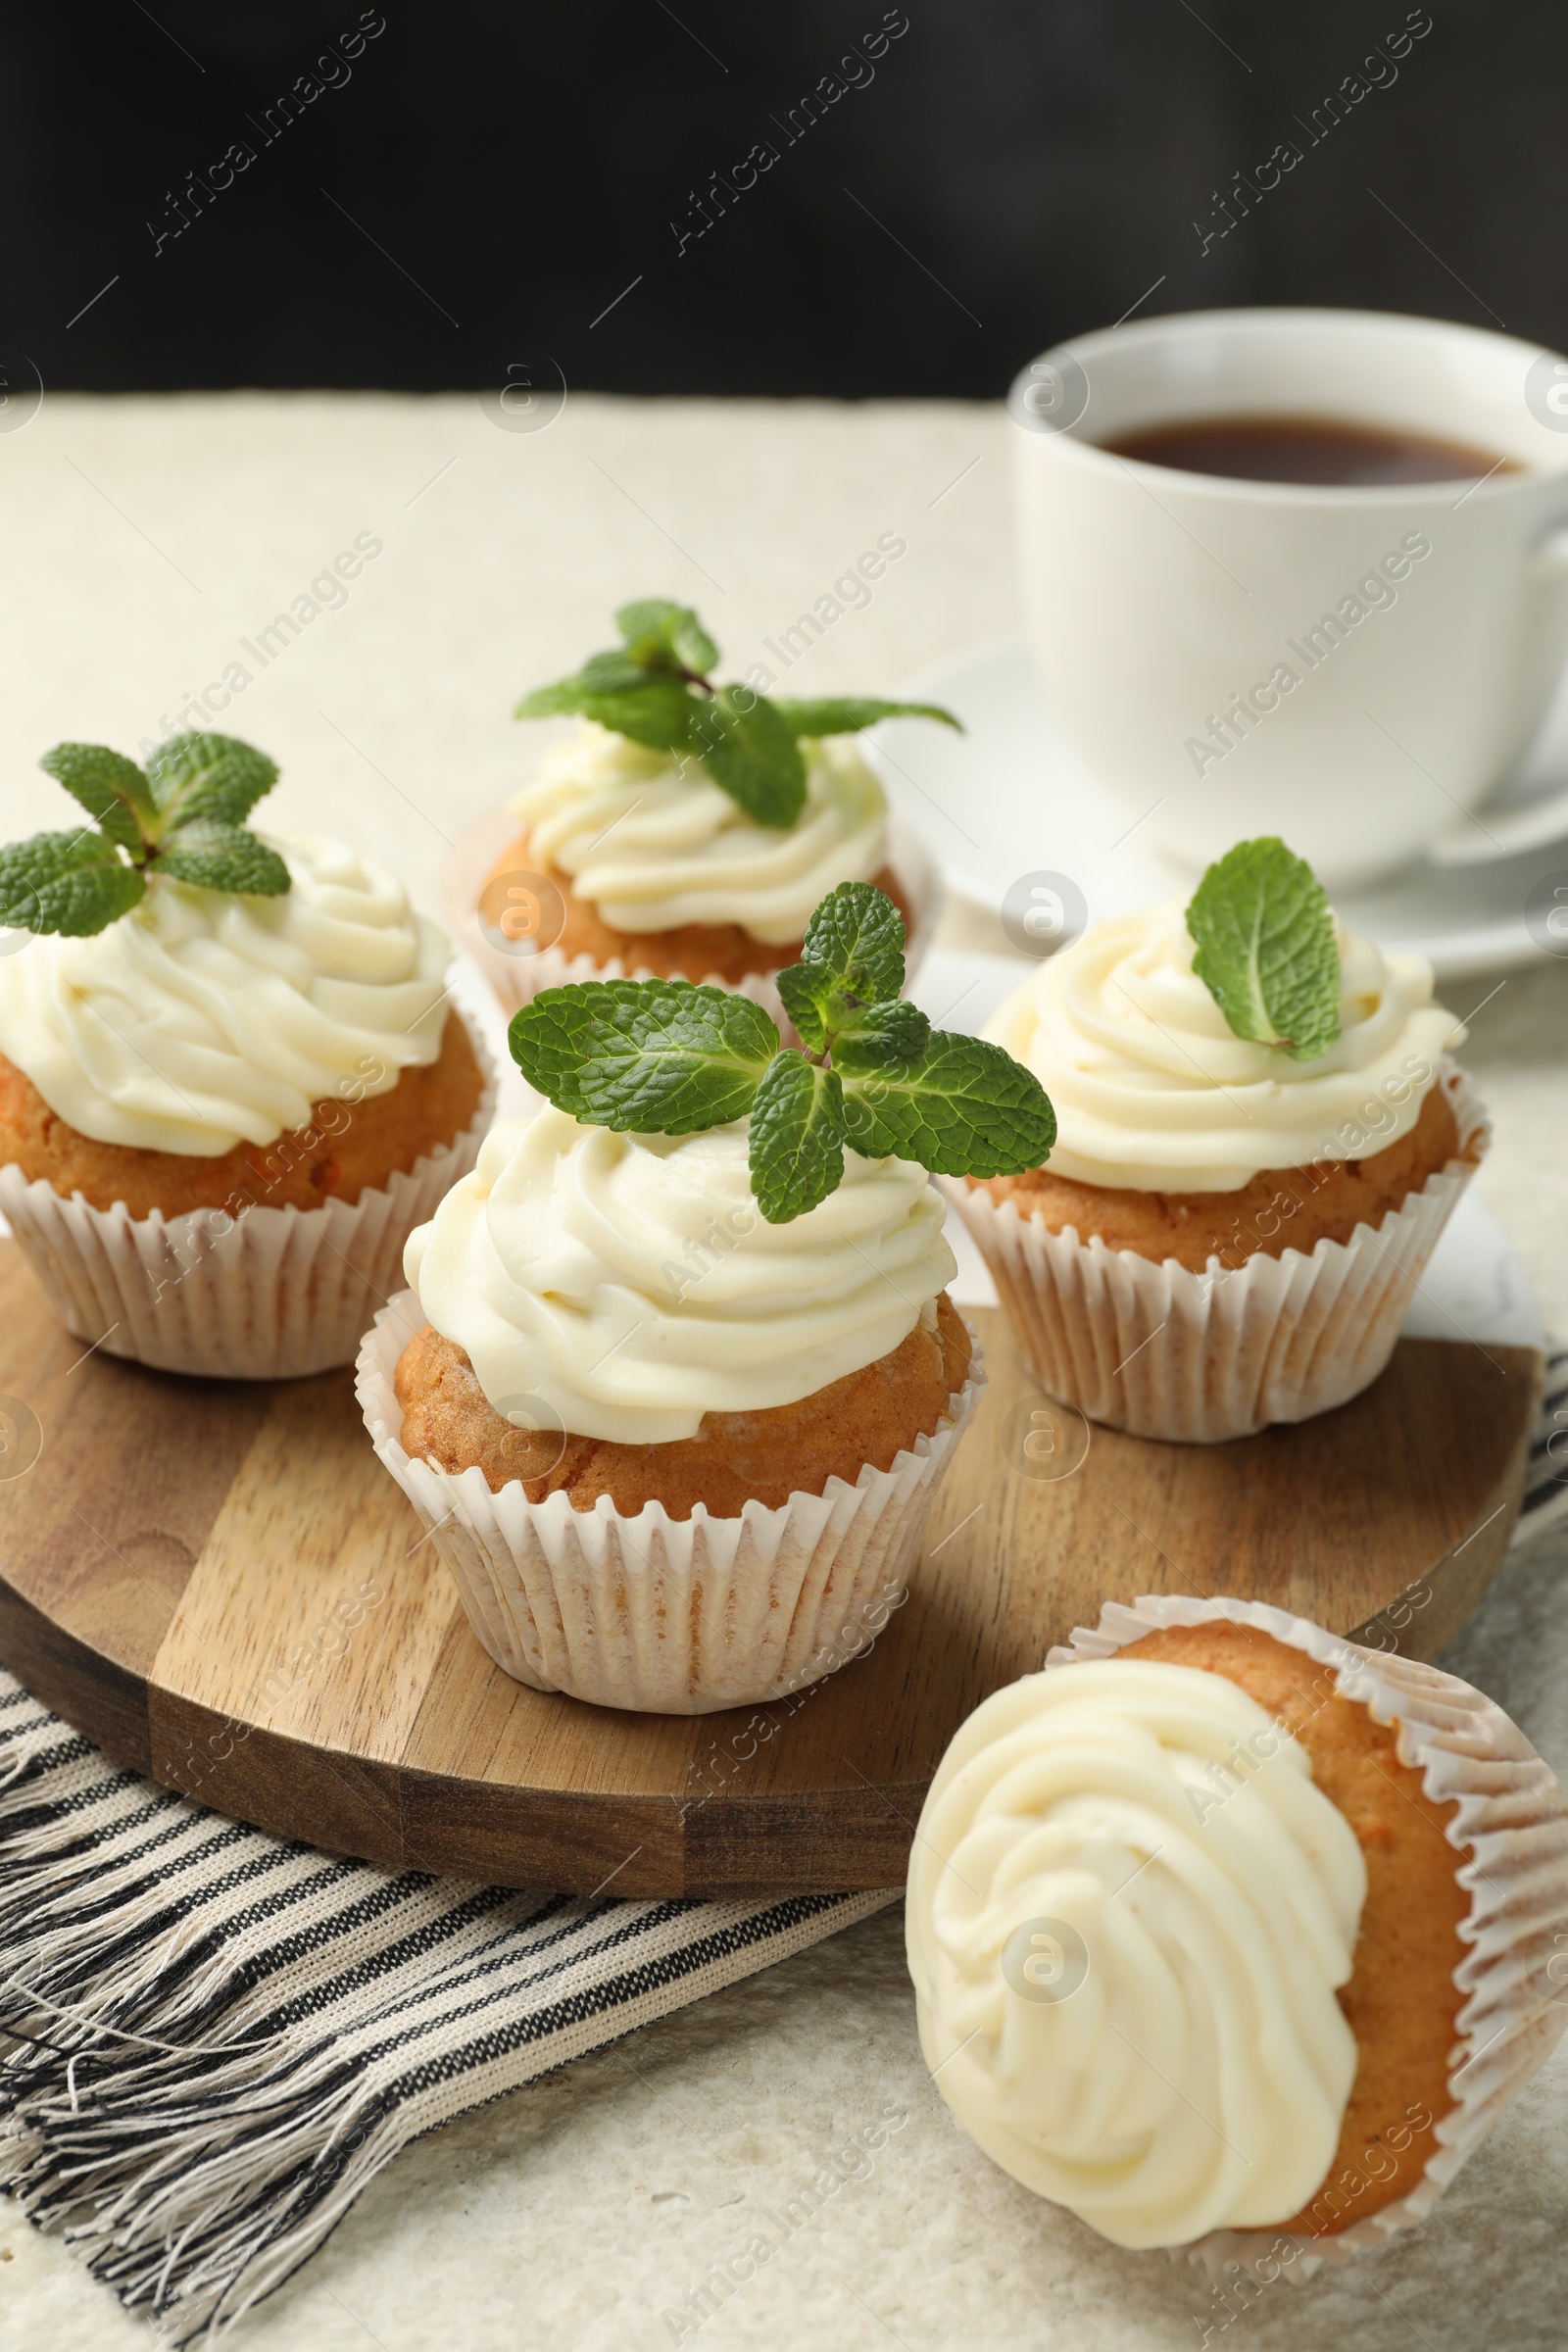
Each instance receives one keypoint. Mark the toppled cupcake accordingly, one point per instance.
(231, 1082)
(1261, 1141)
(1228, 1933)
(688, 1375)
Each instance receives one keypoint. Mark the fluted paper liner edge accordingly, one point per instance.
(661, 1615)
(1511, 1827)
(279, 1295)
(1201, 1358)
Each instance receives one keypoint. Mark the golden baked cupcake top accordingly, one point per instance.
(703, 1220)
(633, 1284)
(654, 843)
(1161, 1036)
(192, 985)
(682, 803)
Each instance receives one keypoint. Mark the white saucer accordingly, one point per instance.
(1008, 799)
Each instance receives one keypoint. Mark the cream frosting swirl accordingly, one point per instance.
(203, 1018)
(631, 1283)
(1129, 1908)
(654, 846)
(1155, 1092)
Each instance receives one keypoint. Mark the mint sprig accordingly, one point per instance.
(657, 688)
(671, 1057)
(655, 630)
(179, 818)
(1266, 950)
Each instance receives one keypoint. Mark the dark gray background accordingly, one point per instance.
(1033, 166)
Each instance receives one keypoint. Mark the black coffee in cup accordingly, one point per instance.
(1318, 450)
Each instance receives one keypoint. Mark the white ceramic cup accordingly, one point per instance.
(1354, 669)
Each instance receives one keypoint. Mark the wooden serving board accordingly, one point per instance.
(220, 1584)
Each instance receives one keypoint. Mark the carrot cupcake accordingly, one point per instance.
(230, 1084)
(1227, 1933)
(1260, 1141)
(684, 830)
(679, 1376)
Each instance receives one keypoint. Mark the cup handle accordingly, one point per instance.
(1504, 832)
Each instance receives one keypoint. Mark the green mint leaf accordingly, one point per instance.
(73, 883)
(220, 856)
(109, 786)
(882, 1034)
(215, 776)
(611, 674)
(660, 634)
(849, 982)
(645, 1056)
(797, 1137)
(553, 1037)
(551, 702)
(745, 746)
(856, 938)
(808, 991)
(963, 1107)
(656, 712)
(1265, 948)
(847, 715)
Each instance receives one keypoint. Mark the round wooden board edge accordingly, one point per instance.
(647, 1845)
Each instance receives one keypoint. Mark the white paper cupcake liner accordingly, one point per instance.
(518, 978)
(660, 1615)
(1164, 1352)
(1511, 1827)
(273, 1295)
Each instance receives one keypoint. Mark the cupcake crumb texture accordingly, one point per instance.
(871, 1415)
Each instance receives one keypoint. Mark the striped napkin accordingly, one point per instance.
(219, 2037)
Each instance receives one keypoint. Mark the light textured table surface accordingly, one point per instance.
(146, 539)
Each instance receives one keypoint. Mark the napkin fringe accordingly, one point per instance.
(213, 2040)
(196, 2161)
